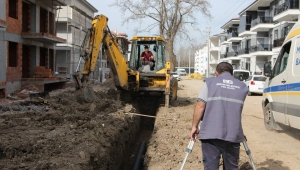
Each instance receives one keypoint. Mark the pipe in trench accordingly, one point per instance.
(138, 164)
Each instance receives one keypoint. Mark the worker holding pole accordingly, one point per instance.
(219, 106)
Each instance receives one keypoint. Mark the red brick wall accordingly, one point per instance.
(15, 73)
(14, 25)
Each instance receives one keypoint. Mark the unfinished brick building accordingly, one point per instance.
(27, 40)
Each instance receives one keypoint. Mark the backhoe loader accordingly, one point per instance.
(133, 76)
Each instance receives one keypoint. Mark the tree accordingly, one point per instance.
(172, 17)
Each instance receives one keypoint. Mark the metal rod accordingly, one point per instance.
(141, 115)
(187, 151)
(77, 68)
(249, 154)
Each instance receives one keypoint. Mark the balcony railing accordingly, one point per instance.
(233, 34)
(260, 47)
(223, 55)
(223, 39)
(232, 53)
(262, 20)
(244, 28)
(278, 42)
(288, 4)
(243, 51)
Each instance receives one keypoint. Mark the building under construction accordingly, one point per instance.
(27, 44)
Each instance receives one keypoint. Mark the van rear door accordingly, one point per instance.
(293, 105)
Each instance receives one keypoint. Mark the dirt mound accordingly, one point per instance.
(67, 134)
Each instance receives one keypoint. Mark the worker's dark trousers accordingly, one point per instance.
(212, 149)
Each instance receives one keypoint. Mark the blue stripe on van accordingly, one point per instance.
(284, 87)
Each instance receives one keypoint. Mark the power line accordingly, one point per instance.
(226, 12)
(215, 23)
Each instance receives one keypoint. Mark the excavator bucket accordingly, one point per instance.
(89, 94)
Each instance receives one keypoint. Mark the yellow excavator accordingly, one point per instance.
(133, 76)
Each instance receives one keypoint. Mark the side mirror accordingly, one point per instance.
(267, 69)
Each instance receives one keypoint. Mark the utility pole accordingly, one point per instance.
(190, 61)
(208, 57)
(179, 62)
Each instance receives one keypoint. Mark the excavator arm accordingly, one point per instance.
(99, 35)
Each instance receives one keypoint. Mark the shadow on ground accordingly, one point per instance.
(295, 133)
(184, 101)
(269, 164)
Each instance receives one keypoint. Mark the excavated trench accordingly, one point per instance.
(68, 133)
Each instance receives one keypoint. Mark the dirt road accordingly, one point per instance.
(270, 149)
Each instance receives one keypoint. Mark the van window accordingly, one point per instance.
(250, 77)
(259, 78)
(241, 75)
(282, 59)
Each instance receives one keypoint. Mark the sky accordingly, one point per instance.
(221, 10)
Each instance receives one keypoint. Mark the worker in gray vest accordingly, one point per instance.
(219, 107)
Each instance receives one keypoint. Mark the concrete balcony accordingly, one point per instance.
(56, 3)
(244, 30)
(287, 11)
(234, 37)
(246, 33)
(223, 56)
(42, 37)
(261, 24)
(214, 49)
(261, 50)
(243, 53)
(232, 54)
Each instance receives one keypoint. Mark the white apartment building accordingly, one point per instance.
(216, 50)
(73, 21)
(257, 34)
(201, 57)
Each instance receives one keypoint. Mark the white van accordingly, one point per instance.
(241, 74)
(281, 98)
(181, 72)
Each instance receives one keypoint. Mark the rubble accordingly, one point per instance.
(66, 133)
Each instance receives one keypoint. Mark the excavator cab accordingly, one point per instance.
(154, 76)
(156, 46)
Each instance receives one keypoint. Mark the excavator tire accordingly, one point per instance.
(173, 90)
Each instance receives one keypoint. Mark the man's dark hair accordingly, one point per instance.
(224, 67)
(146, 47)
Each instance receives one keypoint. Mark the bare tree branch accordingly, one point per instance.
(171, 17)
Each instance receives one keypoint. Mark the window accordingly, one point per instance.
(282, 59)
(13, 9)
(12, 54)
(43, 21)
(275, 34)
(259, 78)
(285, 31)
(160, 56)
(250, 77)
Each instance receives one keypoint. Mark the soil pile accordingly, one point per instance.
(67, 134)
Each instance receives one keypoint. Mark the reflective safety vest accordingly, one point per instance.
(224, 105)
